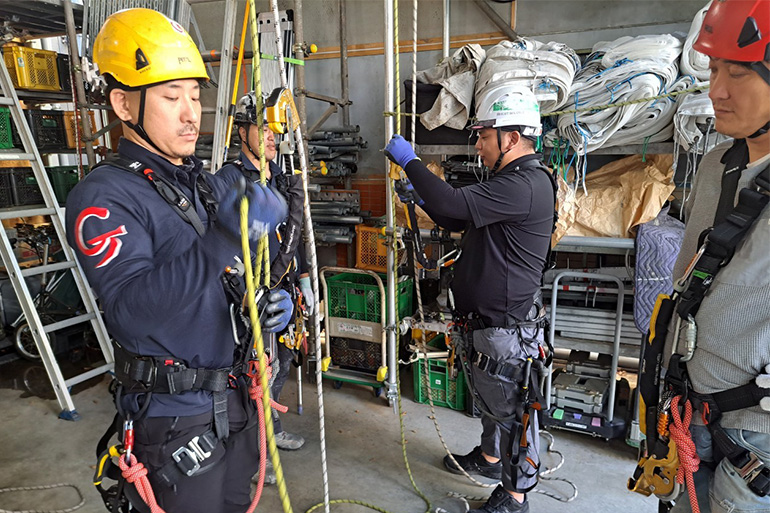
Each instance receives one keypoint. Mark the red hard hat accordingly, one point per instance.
(736, 30)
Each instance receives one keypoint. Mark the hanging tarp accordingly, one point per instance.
(457, 76)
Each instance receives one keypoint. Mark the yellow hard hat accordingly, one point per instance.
(140, 47)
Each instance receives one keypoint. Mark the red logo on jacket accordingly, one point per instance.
(107, 242)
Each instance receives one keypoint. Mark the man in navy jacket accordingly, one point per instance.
(154, 234)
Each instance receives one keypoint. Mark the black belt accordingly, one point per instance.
(488, 364)
(473, 322)
(166, 374)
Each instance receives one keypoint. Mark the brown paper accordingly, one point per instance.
(622, 195)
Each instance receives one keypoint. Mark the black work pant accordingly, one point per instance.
(224, 484)
(503, 436)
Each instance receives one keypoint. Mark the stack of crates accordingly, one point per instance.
(31, 68)
(19, 187)
(437, 382)
(355, 308)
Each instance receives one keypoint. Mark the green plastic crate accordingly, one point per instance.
(63, 179)
(445, 391)
(6, 139)
(357, 296)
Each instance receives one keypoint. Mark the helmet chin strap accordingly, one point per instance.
(246, 142)
(502, 153)
(138, 127)
(761, 131)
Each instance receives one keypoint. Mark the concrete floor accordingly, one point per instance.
(363, 447)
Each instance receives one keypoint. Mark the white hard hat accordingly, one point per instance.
(509, 106)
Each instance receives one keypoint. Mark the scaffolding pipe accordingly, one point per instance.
(85, 119)
(344, 63)
(299, 53)
(390, 106)
(445, 34)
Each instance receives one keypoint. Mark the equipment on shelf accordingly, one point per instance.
(335, 151)
(335, 213)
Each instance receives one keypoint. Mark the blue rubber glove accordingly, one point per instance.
(307, 292)
(406, 192)
(277, 312)
(266, 210)
(399, 151)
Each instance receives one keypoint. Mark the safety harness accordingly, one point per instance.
(148, 375)
(717, 246)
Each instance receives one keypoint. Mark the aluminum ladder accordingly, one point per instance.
(41, 333)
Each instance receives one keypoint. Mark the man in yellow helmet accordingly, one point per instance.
(157, 238)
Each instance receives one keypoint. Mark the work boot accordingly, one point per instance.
(288, 441)
(502, 502)
(270, 478)
(474, 464)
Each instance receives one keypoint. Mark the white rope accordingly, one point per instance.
(311, 251)
(542, 476)
(44, 487)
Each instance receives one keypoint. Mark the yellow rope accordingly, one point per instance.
(398, 114)
(630, 102)
(262, 270)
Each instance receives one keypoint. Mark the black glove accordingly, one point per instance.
(406, 192)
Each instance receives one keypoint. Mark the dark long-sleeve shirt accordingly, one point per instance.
(509, 220)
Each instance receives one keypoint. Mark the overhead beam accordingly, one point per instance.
(496, 19)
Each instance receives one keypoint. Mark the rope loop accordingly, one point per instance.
(688, 456)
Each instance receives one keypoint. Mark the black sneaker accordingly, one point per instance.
(502, 502)
(474, 464)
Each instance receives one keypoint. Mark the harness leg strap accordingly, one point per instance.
(221, 422)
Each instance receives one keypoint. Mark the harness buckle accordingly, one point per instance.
(481, 360)
(751, 469)
(189, 457)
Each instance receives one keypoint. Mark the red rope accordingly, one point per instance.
(256, 393)
(688, 457)
(136, 474)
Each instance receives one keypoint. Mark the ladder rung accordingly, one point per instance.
(50, 268)
(48, 328)
(74, 380)
(26, 212)
(6, 101)
(7, 155)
